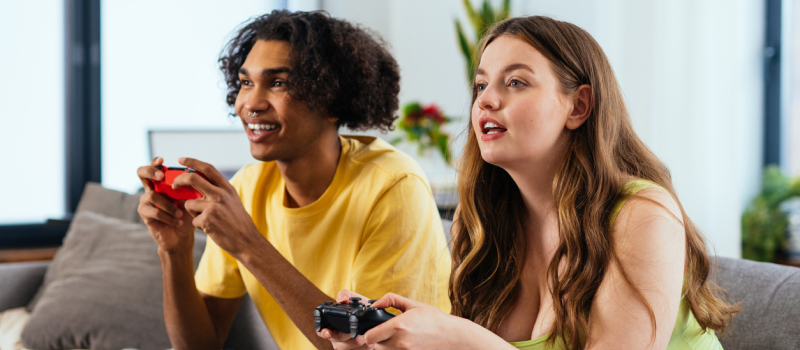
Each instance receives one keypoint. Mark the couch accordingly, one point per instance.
(769, 293)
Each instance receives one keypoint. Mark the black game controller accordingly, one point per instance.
(353, 317)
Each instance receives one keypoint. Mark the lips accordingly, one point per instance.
(491, 129)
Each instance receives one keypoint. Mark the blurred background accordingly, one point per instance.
(89, 87)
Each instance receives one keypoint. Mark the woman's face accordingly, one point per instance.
(519, 114)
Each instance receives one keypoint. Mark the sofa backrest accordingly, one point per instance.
(770, 297)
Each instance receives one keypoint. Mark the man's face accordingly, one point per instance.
(282, 128)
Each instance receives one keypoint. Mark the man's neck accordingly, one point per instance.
(308, 177)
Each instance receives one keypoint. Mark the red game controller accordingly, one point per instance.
(164, 186)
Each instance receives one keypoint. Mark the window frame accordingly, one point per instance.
(82, 124)
(772, 84)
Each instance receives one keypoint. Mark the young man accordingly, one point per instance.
(320, 212)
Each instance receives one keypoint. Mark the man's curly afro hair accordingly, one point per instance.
(337, 68)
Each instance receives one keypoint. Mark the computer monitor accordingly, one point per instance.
(226, 150)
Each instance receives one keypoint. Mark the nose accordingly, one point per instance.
(255, 101)
(489, 99)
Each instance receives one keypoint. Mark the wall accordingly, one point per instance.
(690, 71)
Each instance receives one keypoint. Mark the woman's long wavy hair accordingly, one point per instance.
(489, 248)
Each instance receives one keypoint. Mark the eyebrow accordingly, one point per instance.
(267, 72)
(508, 68)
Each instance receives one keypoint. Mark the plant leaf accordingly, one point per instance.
(506, 10)
(467, 50)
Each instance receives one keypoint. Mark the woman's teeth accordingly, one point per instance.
(491, 128)
(258, 127)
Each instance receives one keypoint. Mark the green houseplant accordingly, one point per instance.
(481, 19)
(422, 125)
(764, 224)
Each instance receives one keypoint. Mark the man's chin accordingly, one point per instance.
(262, 155)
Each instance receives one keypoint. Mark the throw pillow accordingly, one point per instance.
(103, 289)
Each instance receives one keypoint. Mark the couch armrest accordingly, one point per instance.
(770, 306)
(20, 282)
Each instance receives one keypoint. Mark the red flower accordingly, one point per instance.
(433, 112)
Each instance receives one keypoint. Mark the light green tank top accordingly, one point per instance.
(687, 333)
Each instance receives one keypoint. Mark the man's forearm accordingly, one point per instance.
(188, 321)
(295, 294)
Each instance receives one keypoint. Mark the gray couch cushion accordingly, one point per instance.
(103, 290)
(94, 294)
(770, 296)
(19, 282)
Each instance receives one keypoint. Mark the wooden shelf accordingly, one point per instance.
(788, 261)
(30, 254)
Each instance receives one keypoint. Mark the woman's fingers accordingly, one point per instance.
(343, 341)
(345, 295)
(396, 301)
(381, 332)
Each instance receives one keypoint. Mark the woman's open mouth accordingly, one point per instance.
(491, 129)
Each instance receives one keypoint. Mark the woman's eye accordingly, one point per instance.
(515, 82)
(278, 83)
(480, 87)
(246, 82)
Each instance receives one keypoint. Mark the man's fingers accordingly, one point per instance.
(195, 207)
(197, 182)
(157, 161)
(161, 202)
(150, 173)
(149, 213)
(396, 301)
(210, 172)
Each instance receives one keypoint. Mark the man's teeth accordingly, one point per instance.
(258, 127)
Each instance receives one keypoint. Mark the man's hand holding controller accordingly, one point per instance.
(219, 211)
(167, 219)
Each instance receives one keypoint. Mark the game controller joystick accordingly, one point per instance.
(164, 186)
(349, 317)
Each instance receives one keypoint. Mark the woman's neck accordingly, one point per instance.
(535, 183)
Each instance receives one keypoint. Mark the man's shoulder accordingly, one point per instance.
(376, 157)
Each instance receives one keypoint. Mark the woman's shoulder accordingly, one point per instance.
(643, 200)
(649, 219)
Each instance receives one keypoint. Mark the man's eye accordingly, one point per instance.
(278, 83)
(246, 82)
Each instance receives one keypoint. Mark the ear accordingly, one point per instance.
(331, 119)
(582, 105)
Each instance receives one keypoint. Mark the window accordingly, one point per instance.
(32, 110)
(160, 72)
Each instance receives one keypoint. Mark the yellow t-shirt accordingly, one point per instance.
(375, 230)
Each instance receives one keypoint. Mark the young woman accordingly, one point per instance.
(568, 234)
